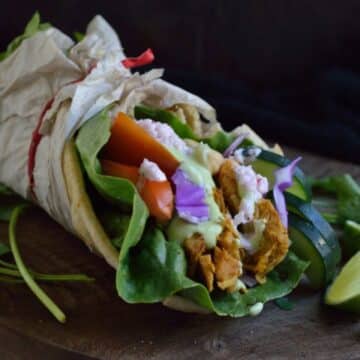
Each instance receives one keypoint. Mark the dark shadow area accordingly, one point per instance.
(290, 69)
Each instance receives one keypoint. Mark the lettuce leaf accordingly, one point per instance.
(151, 268)
(284, 303)
(115, 225)
(78, 36)
(345, 201)
(93, 135)
(155, 268)
(33, 26)
(219, 141)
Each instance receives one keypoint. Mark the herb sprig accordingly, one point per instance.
(19, 272)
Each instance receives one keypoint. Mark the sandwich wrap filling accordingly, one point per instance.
(49, 88)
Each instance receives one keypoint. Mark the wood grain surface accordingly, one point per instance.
(100, 325)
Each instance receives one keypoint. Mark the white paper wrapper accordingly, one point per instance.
(40, 70)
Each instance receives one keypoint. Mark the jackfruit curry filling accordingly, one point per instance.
(246, 235)
(212, 205)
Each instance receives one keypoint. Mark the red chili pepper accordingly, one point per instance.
(145, 58)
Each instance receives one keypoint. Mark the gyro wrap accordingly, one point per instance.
(79, 85)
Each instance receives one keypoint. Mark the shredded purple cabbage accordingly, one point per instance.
(283, 180)
(189, 199)
(235, 144)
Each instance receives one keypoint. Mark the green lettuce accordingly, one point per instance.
(119, 192)
(33, 26)
(151, 268)
(284, 303)
(115, 225)
(345, 202)
(78, 36)
(154, 268)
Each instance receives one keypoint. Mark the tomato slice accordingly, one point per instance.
(157, 195)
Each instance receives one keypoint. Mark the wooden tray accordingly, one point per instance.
(100, 325)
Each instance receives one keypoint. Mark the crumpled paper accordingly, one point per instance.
(45, 67)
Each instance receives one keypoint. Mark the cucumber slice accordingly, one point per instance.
(268, 162)
(308, 243)
(305, 209)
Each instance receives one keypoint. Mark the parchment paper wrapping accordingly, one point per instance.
(43, 67)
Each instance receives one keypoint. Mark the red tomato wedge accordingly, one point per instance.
(130, 144)
(159, 198)
(157, 195)
(112, 168)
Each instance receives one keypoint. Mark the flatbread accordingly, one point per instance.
(84, 219)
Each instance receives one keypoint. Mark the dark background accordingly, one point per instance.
(288, 68)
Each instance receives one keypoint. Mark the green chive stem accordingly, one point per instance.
(34, 287)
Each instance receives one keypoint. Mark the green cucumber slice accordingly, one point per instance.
(308, 243)
(307, 211)
(268, 162)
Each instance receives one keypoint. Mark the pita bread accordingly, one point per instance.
(84, 219)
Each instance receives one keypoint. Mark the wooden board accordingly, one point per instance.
(100, 325)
